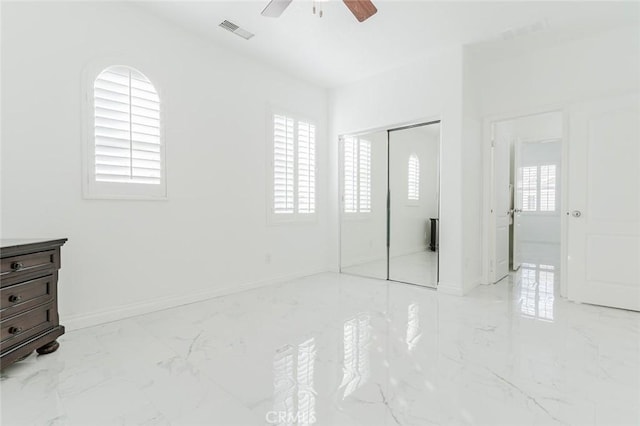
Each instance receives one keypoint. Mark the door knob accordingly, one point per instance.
(576, 213)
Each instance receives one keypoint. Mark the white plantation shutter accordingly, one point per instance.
(413, 192)
(528, 188)
(548, 188)
(283, 167)
(364, 170)
(294, 166)
(357, 175)
(306, 167)
(126, 127)
(350, 175)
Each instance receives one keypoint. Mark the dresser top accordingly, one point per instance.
(13, 246)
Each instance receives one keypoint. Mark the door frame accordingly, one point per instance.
(489, 223)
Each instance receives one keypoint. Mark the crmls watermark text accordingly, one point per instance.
(287, 417)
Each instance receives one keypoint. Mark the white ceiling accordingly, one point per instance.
(336, 49)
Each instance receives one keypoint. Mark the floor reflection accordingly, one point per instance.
(536, 291)
(356, 367)
(413, 326)
(294, 394)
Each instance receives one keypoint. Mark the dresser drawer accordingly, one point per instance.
(14, 267)
(23, 326)
(24, 296)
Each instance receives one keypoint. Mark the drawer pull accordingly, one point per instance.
(15, 298)
(16, 266)
(15, 330)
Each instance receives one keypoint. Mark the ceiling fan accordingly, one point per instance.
(361, 9)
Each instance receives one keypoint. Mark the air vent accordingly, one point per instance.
(230, 26)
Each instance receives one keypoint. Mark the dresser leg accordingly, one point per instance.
(48, 348)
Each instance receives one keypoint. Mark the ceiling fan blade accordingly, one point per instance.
(275, 8)
(361, 9)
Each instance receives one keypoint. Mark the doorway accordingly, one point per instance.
(389, 186)
(526, 156)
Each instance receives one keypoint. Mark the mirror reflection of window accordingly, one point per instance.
(357, 175)
(413, 178)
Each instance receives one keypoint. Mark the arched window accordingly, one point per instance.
(413, 178)
(127, 141)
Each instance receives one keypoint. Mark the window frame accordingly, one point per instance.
(97, 190)
(274, 218)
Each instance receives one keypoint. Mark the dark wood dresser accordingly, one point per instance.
(29, 298)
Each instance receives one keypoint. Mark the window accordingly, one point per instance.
(413, 193)
(537, 186)
(357, 175)
(294, 167)
(126, 152)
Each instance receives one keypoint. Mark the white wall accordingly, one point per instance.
(602, 64)
(430, 88)
(472, 174)
(126, 257)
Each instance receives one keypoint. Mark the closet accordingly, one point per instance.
(389, 186)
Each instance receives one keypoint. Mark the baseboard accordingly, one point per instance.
(78, 321)
(452, 289)
(472, 284)
(457, 290)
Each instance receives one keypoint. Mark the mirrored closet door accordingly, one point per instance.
(363, 225)
(389, 186)
(413, 207)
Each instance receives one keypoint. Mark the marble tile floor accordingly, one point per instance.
(334, 349)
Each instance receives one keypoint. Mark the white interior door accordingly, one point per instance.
(604, 202)
(501, 206)
(518, 198)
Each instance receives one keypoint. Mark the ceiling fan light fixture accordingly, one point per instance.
(361, 9)
(317, 7)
